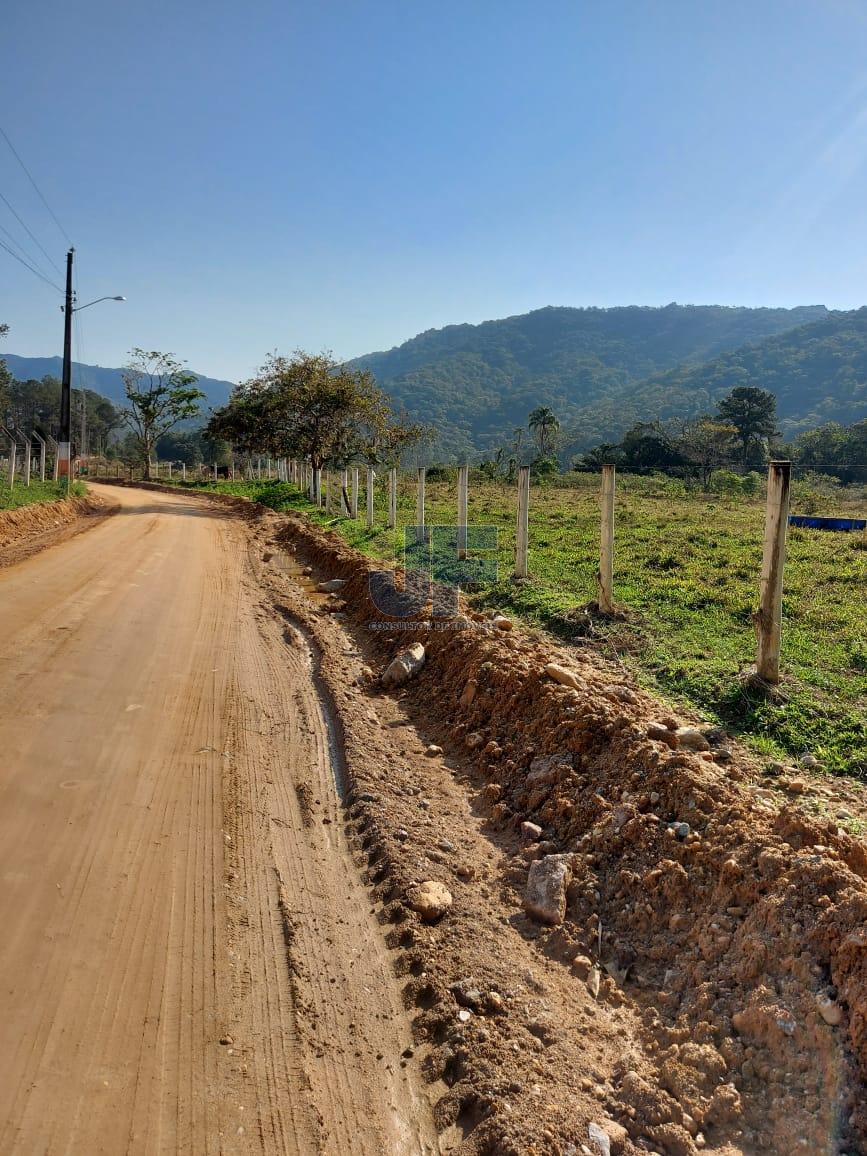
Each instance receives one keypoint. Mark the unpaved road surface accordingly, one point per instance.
(188, 958)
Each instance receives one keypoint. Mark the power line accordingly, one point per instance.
(27, 265)
(29, 234)
(33, 182)
(31, 260)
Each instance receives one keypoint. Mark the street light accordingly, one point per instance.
(78, 308)
(65, 438)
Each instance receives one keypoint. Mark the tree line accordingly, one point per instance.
(309, 406)
(335, 415)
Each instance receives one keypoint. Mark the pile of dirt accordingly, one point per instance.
(27, 529)
(698, 979)
(721, 926)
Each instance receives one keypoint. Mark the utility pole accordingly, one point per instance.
(65, 437)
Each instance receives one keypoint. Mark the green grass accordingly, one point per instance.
(686, 574)
(23, 495)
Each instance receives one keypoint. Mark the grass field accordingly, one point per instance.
(23, 495)
(686, 574)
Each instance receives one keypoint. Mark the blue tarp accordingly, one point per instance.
(808, 522)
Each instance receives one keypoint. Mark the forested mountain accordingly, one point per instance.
(108, 382)
(475, 383)
(599, 370)
(818, 373)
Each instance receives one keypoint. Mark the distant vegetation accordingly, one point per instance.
(103, 380)
(476, 383)
(817, 372)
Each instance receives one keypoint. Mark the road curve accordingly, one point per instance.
(187, 959)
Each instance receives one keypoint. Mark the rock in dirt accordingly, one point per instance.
(430, 899)
(404, 666)
(661, 734)
(331, 586)
(433, 751)
(829, 1010)
(530, 832)
(501, 622)
(545, 897)
(691, 739)
(563, 676)
(469, 692)
(609, 1138)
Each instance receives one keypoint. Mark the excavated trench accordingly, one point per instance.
(729, 925)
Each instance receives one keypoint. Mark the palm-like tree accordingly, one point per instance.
(544, 425)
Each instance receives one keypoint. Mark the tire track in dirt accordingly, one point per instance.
(163, 887)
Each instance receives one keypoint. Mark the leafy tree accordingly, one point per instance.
(650, 446)
(544, 425)
(835, 449)
(310, 406)
(753, 413)
(161, 393)
(593, 460)
(707, 445)
(545, 466)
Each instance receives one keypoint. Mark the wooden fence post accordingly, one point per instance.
(419, 504)
(605, 578)
(463, 504)
(392, 498)
(769, 617)
(328, 488)
(28, 449)
(371, 477)
(344, 495)
(354, 507)
(522, 565)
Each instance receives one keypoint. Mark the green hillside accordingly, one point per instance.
(475, 383)
(817, 371)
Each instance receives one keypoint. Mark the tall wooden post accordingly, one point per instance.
(522, 546)
(419, 504)
(605, 578)
(344, 495)
(463, 504)
(28, 449)
(354, 507)
(769, 617)
(392, 498)
(371, 477)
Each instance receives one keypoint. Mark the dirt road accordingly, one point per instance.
(188, 958)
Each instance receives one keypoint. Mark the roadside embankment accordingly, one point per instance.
(713, 917)
(27, 529)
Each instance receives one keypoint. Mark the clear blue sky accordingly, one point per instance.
(343, 175)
